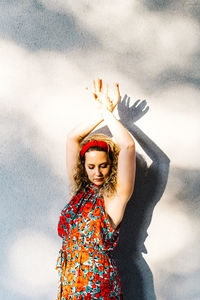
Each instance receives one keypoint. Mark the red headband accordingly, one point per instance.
(94, 143)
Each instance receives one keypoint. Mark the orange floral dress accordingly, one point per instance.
(85, 264)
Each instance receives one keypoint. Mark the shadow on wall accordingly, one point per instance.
(136, 276)
(28, 184)
(31, 195)
(35, 27)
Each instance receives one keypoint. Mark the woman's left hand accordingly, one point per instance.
(101, 97)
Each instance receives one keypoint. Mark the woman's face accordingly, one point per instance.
(97, 166)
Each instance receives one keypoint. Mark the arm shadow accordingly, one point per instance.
(135, 274)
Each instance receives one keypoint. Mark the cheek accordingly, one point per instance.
(107, 171)
(89, 172)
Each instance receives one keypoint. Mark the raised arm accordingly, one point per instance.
(74, 138)
(127, 155)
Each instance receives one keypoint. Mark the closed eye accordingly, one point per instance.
(91, 166)
(104, 166)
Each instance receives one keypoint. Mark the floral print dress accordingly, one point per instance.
(85, 264)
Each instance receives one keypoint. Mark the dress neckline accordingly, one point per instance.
(94, 186)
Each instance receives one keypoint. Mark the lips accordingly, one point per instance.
(98, 179)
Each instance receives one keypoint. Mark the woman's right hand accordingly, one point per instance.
(101, 97)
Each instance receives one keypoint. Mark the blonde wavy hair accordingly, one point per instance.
(81, 180)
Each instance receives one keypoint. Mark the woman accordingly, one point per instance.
(101, 175)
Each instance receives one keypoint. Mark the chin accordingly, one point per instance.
(98, 182)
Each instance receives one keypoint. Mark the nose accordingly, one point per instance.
(97, 172)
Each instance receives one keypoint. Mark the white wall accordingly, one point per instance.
(49, 52)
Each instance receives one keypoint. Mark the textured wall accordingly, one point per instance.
(49, 52)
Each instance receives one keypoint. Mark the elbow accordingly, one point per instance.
(127, 144)
(73, 137)
(128, 149)
(130, 146)
(69, 136)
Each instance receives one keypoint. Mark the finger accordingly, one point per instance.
(106, 90)
(100, 84)
(95, 96)
(117, 93)
(94, 86)
(92, 92)
(110, 107)
(117, 90)
(109, 101)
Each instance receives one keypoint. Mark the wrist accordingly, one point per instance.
(105, 112)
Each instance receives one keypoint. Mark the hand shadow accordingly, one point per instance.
(135, 274)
